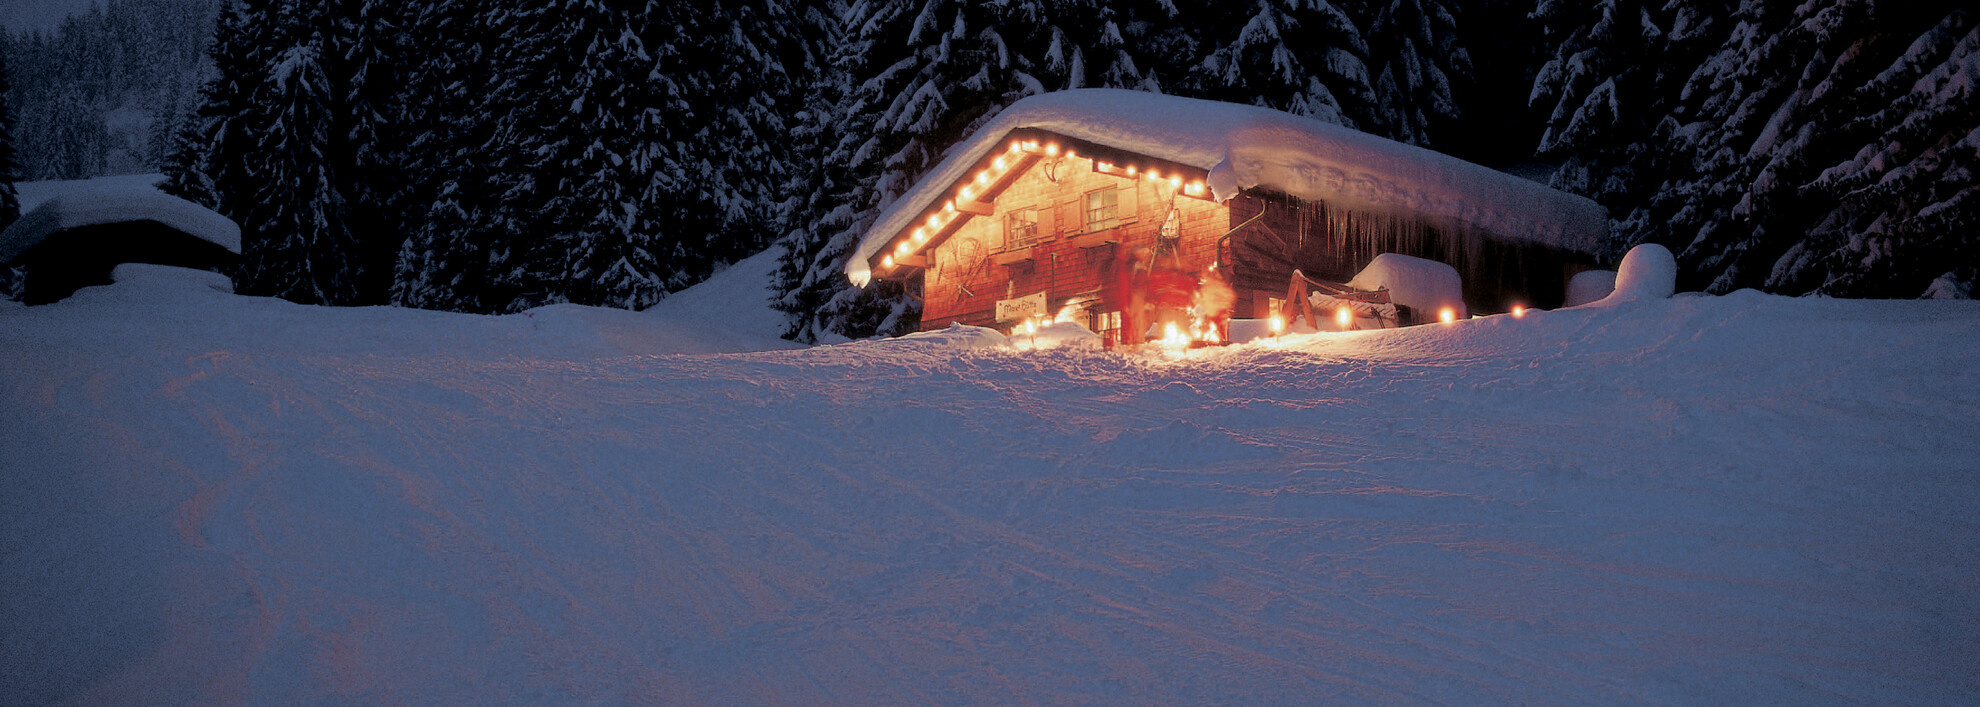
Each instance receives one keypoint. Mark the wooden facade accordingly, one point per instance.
(1045, 223)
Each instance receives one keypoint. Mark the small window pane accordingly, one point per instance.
(1103, 209)
(1020, 228)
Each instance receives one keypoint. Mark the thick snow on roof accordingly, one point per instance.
(1246, 146)
(58, 206)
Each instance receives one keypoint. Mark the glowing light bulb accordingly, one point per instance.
(1447, 315)
(1518, 311)
(965, 192)
(1345, 317)
(1278, 324)
(904, 250)
(1052, 150)
(998, 163)
(887, 262)
(1175, 182)
(1015, 146)
(934, 222)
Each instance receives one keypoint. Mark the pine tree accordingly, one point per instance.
(1821, 148)
(809, 280)
(448, 176)
(367, 38)
(597, 247)
(1421, 69)
(1876, 186)
(211, 164)
(1305, 57)
(10, 200)
(296, 237)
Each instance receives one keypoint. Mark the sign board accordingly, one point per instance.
(1011, 310)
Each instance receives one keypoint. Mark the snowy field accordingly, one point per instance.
(1733, 500)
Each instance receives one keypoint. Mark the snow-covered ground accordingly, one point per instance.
(1700, 500)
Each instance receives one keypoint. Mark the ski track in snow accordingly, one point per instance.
(1701, 500)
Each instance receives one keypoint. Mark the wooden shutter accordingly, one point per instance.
(1070, 216)
(1130, 202)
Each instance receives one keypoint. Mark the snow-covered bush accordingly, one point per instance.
(1589, 286)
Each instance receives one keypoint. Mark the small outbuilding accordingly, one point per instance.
(1034, 212)
(75, 236)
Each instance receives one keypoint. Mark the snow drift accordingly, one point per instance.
(209, 498)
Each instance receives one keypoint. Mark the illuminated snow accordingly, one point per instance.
(210, 498)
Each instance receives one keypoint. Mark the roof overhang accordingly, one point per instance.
(975, 193)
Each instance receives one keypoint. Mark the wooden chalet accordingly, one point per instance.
(76, 238)
(1040, 216)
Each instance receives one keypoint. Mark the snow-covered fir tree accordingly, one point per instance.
(296, 237)
(210, 164)
(1616, 74)
(10, 200)
(371, 121)
(736, 70)
(448, 82)
(103, 92)
(1306, 57)
(1420, 68)
(1844, 164)
(1793, 146)
(597, 243)
(808, 284)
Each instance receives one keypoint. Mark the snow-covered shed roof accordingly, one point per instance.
(1242, 146)
(83, 204)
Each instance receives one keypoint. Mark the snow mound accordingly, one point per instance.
(1423, 285)
(728, 312)
(96, 203)
(1057, 335)
(1647, 272)
(958, 337)
(1948, 286)
(1245, 146)
(147, 274)
(1589, 286)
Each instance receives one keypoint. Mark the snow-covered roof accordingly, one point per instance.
(94, 203)
(1243, 146)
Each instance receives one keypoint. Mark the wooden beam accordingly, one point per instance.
(913, 261)
(1013, 257)
(1096, 239)
(974, 207)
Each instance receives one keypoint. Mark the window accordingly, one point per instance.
(1103, 209)
(1020, 228)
